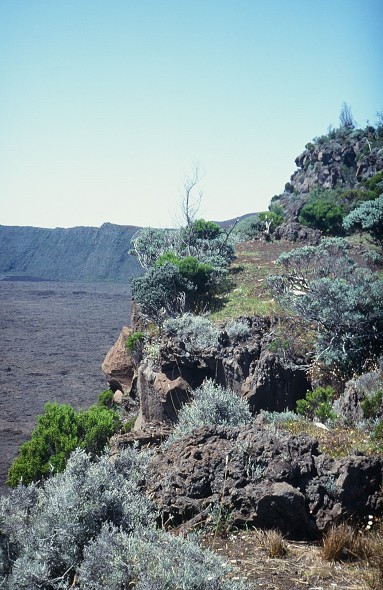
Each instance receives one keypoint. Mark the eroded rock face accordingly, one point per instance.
(267, 380)
(295, 232)
(263, 478)
(367, 385)
(118, 364)
(160, 397)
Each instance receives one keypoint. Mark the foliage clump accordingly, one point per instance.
(324, 215)
(194, 333)
(92, 527)
(59, 431)
(186, 269)
(326, 289)
(317, 404)
(367, 217)
(211, 405)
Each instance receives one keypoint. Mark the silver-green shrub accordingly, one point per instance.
(92, 527)
(150, 560)
(211, 405)
(46, 533)
(194, 332)
(237, 329)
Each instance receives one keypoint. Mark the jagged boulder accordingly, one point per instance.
(295, 232)
(263, 478)
(160, 396)
(118, 364)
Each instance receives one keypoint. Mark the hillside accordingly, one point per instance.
(75, 254)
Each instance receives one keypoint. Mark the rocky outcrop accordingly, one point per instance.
(118, 364)
(342, 159)
(295, 232)
(267, 380)
(264, 478)
(367, 385)
(160, 396)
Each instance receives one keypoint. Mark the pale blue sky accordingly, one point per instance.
(106, 104)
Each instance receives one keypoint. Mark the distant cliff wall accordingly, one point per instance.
(74, 254)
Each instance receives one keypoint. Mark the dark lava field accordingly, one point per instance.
(53, 340)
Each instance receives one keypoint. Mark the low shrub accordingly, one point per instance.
(372, 404)
(211, 405)
(92, 527)
(195, 333)
(324, 215)
(238, 329)
(317, 404)
(134, 341)
(59, 431)
(105, 398)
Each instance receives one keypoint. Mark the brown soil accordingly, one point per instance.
(302, 568)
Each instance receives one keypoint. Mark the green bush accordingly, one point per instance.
(134, 341)
(270, 220)
(59, 431)
(206, 230)
(317, 404)
(324, 215)
(371, 405)
(105, 398)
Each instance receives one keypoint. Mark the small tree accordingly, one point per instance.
(346, 119)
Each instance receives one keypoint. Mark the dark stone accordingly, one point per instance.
(262, 478)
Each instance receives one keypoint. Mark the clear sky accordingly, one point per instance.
(105, 105)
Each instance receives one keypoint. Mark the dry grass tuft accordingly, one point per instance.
(343, 543)
(272, 542)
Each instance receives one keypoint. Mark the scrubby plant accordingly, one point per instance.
(317, 404)
(150, 560)
(58, 432)
(248, 229)
(195, 333)
(238, 329)
(324, 215)
(367, 217)
(211, 405)
(92, 527)
(270, 220)
(134, 341)
(105, 398)
(47, 528)
(327, 290)
(160, 290)
(372, 404)
(205, 230)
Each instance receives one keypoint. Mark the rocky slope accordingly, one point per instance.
(74, 254)
(343, 159)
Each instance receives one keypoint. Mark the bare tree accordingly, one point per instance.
(192, 197)
(346, 119)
